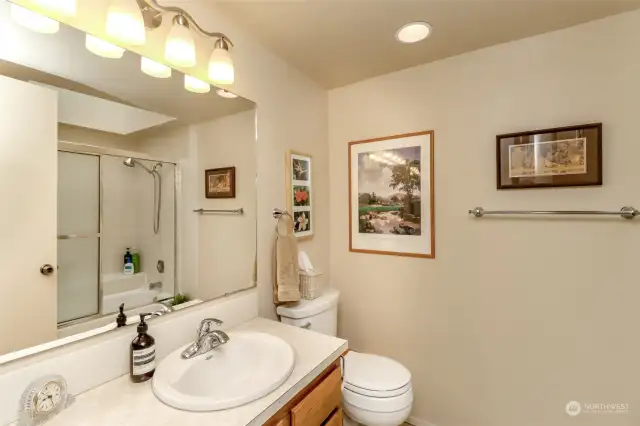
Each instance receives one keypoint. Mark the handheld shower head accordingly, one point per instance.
(157, 188)
(131, 162)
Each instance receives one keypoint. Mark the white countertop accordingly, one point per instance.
(122, 403)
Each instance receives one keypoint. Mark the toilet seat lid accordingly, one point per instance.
(375, 375)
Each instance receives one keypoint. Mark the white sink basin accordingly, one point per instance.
(246, 368)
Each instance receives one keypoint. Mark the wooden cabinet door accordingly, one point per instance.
(286, 421)
(335, 419)
(318, 405)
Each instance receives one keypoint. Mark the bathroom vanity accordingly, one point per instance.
(310, 396)
(318, 403)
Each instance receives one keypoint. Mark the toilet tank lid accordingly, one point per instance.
(307, 308)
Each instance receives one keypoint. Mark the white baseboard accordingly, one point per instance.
(418, 422)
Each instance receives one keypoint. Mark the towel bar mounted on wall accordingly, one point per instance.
(626, 212)
(205, 211)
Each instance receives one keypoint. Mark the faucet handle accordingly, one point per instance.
(207, 324)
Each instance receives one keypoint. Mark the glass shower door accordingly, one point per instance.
(78, 235)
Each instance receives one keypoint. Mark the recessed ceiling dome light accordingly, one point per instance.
(413, 32)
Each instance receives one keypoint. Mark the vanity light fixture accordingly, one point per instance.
(194, 85)
(226, 94)
(154, 69)
(125, 22)
(180, 49)
(220, 64)
(33, 20)
(103, 48)
(413, 32)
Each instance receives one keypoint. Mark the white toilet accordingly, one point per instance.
(376, 390)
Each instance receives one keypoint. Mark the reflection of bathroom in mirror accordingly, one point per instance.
(132, 151)
(107, 206)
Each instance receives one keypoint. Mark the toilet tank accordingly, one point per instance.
(319, 314)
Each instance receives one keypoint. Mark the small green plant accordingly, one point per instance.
(179, 299)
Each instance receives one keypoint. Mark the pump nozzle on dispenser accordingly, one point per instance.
(121, 320)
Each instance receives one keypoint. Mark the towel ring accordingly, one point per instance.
(280, 214)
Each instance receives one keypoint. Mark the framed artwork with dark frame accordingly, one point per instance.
(563, 156)
(220, 182)
(391, 195)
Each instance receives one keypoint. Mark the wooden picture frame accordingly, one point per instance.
(220, 182)
(550, 158)
(299, 190)
(392, 221)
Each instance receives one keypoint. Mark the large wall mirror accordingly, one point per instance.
(102, 182)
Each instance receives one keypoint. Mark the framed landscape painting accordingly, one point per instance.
(564, 156)
(391, 199)
(299, 193)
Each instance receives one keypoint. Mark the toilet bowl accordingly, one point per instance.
(376, 391)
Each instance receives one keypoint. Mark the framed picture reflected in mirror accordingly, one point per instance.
(220, 182)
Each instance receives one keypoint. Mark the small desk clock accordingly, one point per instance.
(43, 399)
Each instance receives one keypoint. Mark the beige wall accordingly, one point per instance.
(216, 252)
(227, 243)
(292, 114)
(514, 317)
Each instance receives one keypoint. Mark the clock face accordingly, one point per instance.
(43, 399)
(48, 397)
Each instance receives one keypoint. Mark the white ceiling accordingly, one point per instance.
(338, 42)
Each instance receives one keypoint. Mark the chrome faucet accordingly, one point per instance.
(207, 339)
(165, 309)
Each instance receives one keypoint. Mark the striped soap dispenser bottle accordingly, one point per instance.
(143, 354)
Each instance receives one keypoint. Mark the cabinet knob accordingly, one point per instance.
(46, 269)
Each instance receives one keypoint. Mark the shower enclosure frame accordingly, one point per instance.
(97, 151)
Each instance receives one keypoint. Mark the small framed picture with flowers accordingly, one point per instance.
(299, 193)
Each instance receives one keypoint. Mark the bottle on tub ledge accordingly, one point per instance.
(135, 259)
(128, 263)
(143, 354)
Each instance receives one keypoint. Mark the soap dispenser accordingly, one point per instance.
(143, 354)
(121, 319)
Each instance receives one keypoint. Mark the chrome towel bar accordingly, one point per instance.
(235, 211)
(626, 212)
